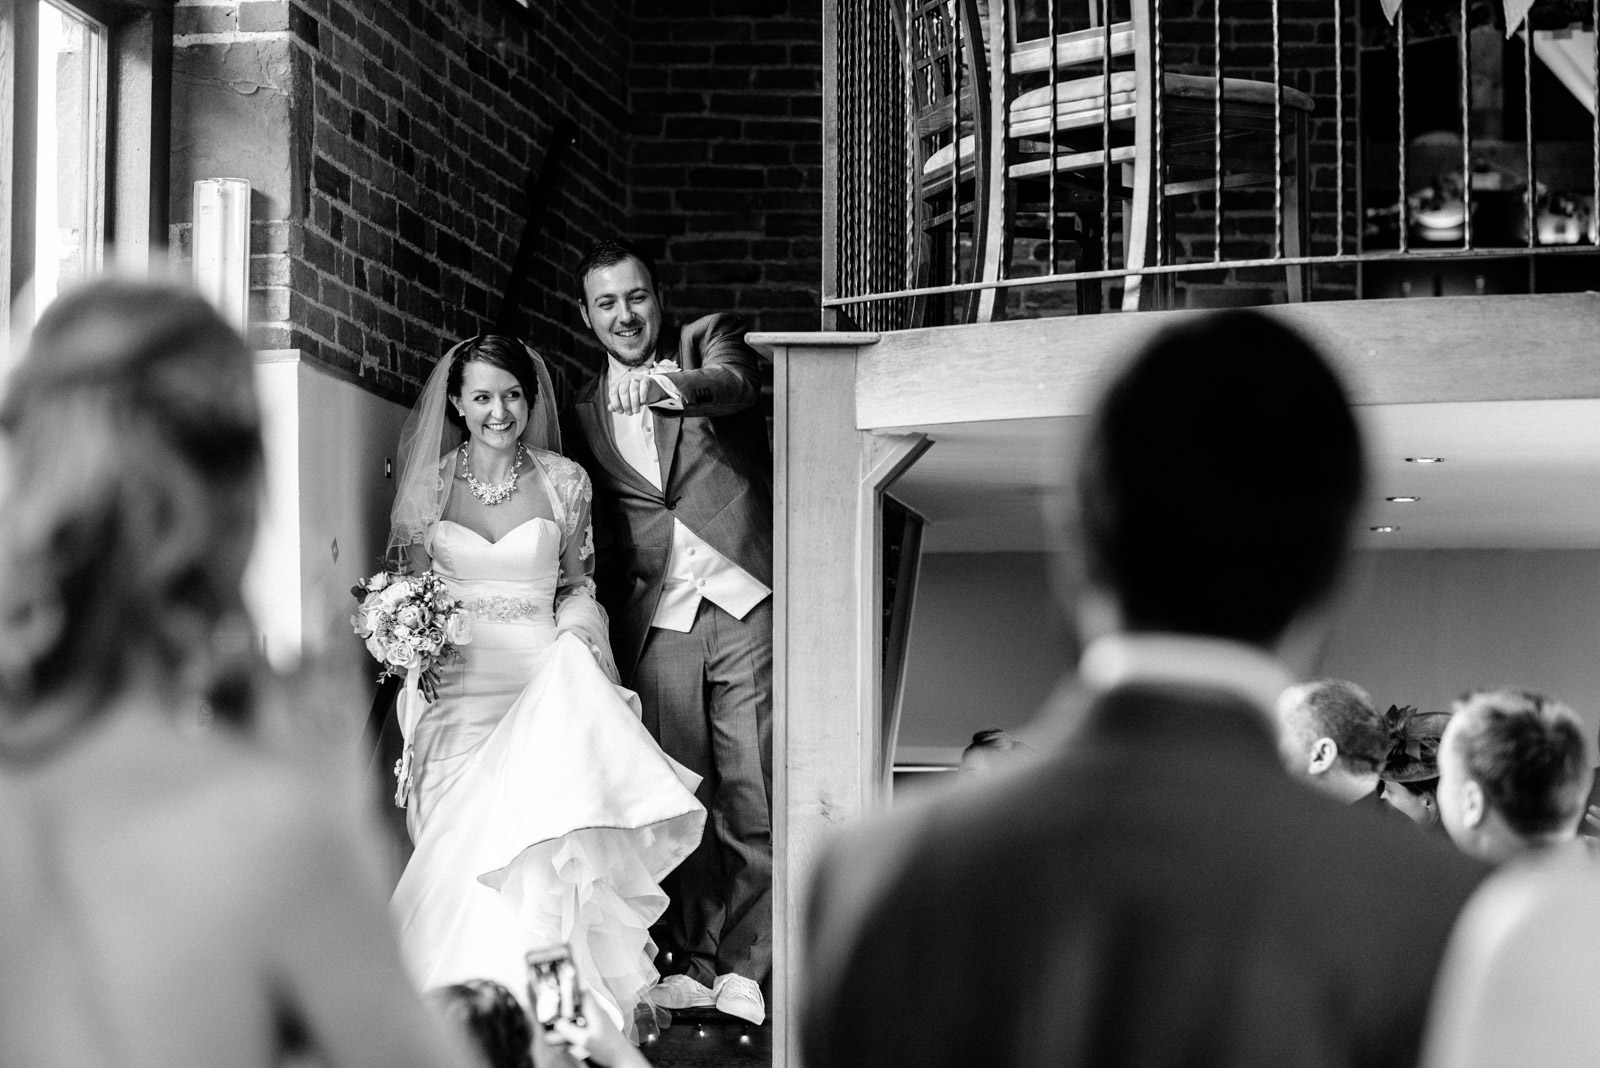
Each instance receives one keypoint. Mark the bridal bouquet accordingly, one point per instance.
(410, 622)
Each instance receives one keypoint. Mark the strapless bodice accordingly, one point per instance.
(513, 579)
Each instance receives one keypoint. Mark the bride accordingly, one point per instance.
(541, 810)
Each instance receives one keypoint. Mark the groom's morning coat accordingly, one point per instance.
(716, 467)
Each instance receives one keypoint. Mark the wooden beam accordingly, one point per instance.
(819, 723)
(889, 456)
(885, 457)
(1538, 347)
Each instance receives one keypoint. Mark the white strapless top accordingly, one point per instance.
(510, 580)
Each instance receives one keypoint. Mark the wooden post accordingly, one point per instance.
(824, 729)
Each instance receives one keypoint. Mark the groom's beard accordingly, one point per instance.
(637, 361)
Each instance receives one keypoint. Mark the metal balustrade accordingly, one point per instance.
(1010, 159)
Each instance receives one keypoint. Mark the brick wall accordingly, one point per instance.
(412, 129)
(429, 116)
(725, 120)
(389, 146)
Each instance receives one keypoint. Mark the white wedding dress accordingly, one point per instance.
(541, 809)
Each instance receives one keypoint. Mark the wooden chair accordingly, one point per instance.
(1071, 106)
(948, 67)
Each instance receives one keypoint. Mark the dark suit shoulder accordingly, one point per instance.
(719, 335)
(859, 878)
(1226, 905)
(717, 322)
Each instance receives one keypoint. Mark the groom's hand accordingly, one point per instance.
(633, 392)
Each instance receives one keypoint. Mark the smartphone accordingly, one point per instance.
(553, 987)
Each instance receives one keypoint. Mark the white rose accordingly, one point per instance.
(402, 655)
(458, 628)
(410, 615)
(401, 632)
(366, 619)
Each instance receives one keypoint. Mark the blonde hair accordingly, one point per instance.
(130, 473)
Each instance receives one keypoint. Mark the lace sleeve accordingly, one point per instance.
(577, 534)
(577, 611)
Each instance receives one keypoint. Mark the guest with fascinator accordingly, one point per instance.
(1410, 774)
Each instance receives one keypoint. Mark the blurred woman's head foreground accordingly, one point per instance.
(129, 480)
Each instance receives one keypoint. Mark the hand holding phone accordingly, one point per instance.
(553, 987)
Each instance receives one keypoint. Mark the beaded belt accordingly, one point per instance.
(507, 609)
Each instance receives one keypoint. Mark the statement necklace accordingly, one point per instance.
(490, 495)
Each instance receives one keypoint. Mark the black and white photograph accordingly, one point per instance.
(799, 533)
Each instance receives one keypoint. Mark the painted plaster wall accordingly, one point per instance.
(1424, 626)
(327, 442)
(987, 642)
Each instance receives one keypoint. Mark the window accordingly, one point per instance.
(70, 150)
(84, 88)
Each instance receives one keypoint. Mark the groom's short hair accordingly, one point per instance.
(609, 252)
(1219, 480)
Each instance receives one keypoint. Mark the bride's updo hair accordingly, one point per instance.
(496, 350)
(130, 470)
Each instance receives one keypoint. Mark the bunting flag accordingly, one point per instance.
(1516, 12)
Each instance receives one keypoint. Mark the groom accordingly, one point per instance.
(674, 441)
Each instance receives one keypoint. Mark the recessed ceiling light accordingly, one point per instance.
(1383, 529)
(1424, 459)
(1404, 498)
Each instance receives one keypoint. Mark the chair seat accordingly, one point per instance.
(1078, 102)
(1072, 49)
(1078, 105)
(936, 168)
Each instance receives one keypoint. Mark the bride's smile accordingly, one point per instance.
(493, 404)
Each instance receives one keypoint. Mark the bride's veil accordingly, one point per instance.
(426, 437)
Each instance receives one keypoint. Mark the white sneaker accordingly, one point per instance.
(741, 997)
(681, 992)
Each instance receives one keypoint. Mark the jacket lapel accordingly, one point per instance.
(595, 418)
(668, 430)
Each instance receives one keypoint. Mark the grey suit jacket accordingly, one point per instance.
(1158, 893)
(716, 465)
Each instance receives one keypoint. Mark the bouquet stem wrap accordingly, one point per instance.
(408, 712)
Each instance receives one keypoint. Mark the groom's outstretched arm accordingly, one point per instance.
(721, 373)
